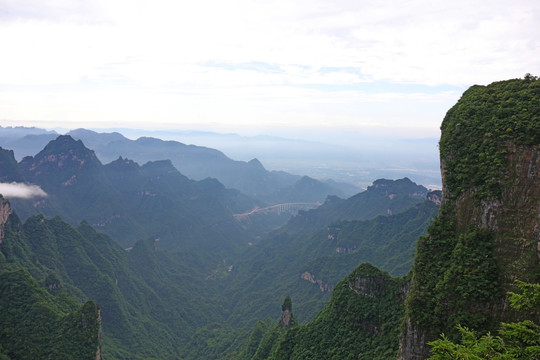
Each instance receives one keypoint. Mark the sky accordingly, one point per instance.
(294, 68)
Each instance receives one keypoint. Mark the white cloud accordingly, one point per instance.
(102, 61)
(416, 41)
(80, 11)
(20, 190)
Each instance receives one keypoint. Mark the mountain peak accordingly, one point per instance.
(160, 166)
(64, 156)
(92, 138)
(122, 160)
(66, 151)
(399, 186)
(63, 143)
(255, 163)
(8, 166)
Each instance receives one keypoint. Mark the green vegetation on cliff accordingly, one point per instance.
(455, 276)
(476, 132)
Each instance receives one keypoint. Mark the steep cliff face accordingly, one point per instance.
(487, 233)
(8, 164)
(5, 210)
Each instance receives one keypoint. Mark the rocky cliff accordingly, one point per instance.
(5, 210)
(487, 233)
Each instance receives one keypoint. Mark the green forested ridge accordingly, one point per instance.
(361, 321)
(151, 302)
(37, 325)
(382, 198)
(388, 242)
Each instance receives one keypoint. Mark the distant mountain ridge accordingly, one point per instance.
(383, 196)
(196, 162)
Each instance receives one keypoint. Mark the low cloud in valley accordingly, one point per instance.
(20, 190)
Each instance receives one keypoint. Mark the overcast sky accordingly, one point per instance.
(292, 67)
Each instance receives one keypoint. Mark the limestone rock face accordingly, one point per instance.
(286, 318)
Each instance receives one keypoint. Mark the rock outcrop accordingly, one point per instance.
(287, 318)
(5, 210)
(306, 275)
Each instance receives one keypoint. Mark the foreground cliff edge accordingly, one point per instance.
(487, 233)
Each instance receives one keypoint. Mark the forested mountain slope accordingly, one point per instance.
(307, 257)
(150, 302)
(361, 321)
(383, 197)
(37, 325)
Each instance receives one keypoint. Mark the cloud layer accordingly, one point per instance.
(20, 190)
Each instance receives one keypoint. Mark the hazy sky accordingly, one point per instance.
(289, 67)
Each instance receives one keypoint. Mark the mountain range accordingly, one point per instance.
(173, 279)
(195, 162)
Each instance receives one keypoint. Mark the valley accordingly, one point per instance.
(179, 255)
